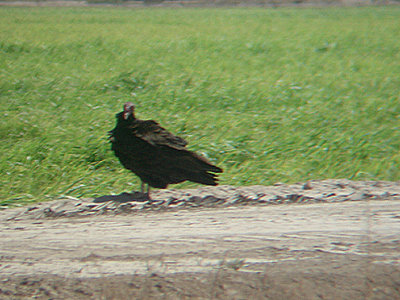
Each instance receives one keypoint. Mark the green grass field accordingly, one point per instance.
(268, 94)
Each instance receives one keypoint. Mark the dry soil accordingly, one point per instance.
(332, 239)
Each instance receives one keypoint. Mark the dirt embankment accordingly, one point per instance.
(332, 239)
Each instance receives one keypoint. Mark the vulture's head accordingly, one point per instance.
(129, 110)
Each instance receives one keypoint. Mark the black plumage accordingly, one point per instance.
(158, 157)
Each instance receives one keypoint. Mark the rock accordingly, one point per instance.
(307, 186)
(356, 196)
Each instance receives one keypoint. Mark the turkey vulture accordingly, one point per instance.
(158, 157)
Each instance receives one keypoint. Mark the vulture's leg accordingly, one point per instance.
(142, 189)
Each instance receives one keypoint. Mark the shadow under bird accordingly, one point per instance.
(156, 156)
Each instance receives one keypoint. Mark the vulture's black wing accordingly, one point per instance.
(151, 132)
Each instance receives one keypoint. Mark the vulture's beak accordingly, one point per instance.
(127, 114)
(129, 109)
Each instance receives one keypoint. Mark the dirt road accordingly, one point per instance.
(339, 250)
